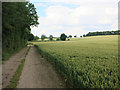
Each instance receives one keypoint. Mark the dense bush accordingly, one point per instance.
(58, 39)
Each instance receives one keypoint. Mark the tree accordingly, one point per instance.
(51, 37)
(17, 19)
(80, 36)
(36, 37)
(63, 37)
(70, 36)
(84, 35)
(31, 37)
(43, 37)
(103, 33)
(75, 36)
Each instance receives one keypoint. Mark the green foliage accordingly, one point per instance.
(51, 37)
(90, 62)
(31, 37)
(63, 37)
(43, 37)
(58, 39)
(84, 35)
(36, 37)
(8, 53)
(68, 39)
(70, 36)
(103, 33)
(17, 17)
(75, 36)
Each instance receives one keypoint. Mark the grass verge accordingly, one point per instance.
(7, 54)
(15, 79)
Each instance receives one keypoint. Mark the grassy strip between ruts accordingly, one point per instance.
(15, 79)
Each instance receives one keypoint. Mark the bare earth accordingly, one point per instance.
(10, 66)
(38, 73)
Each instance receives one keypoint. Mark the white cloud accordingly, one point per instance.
(111, 11)
(40, 4)
(114, 26)
(56, 14)
(105, 20)
(74, 21)
(110, 15)
(81, 1)
(66, 16)
(75, 31)
(79, 15)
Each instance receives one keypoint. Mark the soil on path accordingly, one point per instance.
(38, 73)
(10, 66)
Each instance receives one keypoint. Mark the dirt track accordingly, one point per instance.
(38, 73)
(10, 66)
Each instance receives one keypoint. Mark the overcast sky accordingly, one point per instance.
(75, 17)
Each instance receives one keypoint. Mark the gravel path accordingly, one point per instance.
(38, 73)
(10, 66)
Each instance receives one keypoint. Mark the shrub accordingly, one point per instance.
(58, 39)
(68, 39)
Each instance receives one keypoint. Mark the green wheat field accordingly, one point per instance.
(85, 62)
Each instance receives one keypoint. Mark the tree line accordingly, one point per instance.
(103, 33)
(17, 17)
(63, 37)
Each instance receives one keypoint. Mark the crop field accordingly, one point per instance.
(85, 62)
(46, 39)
